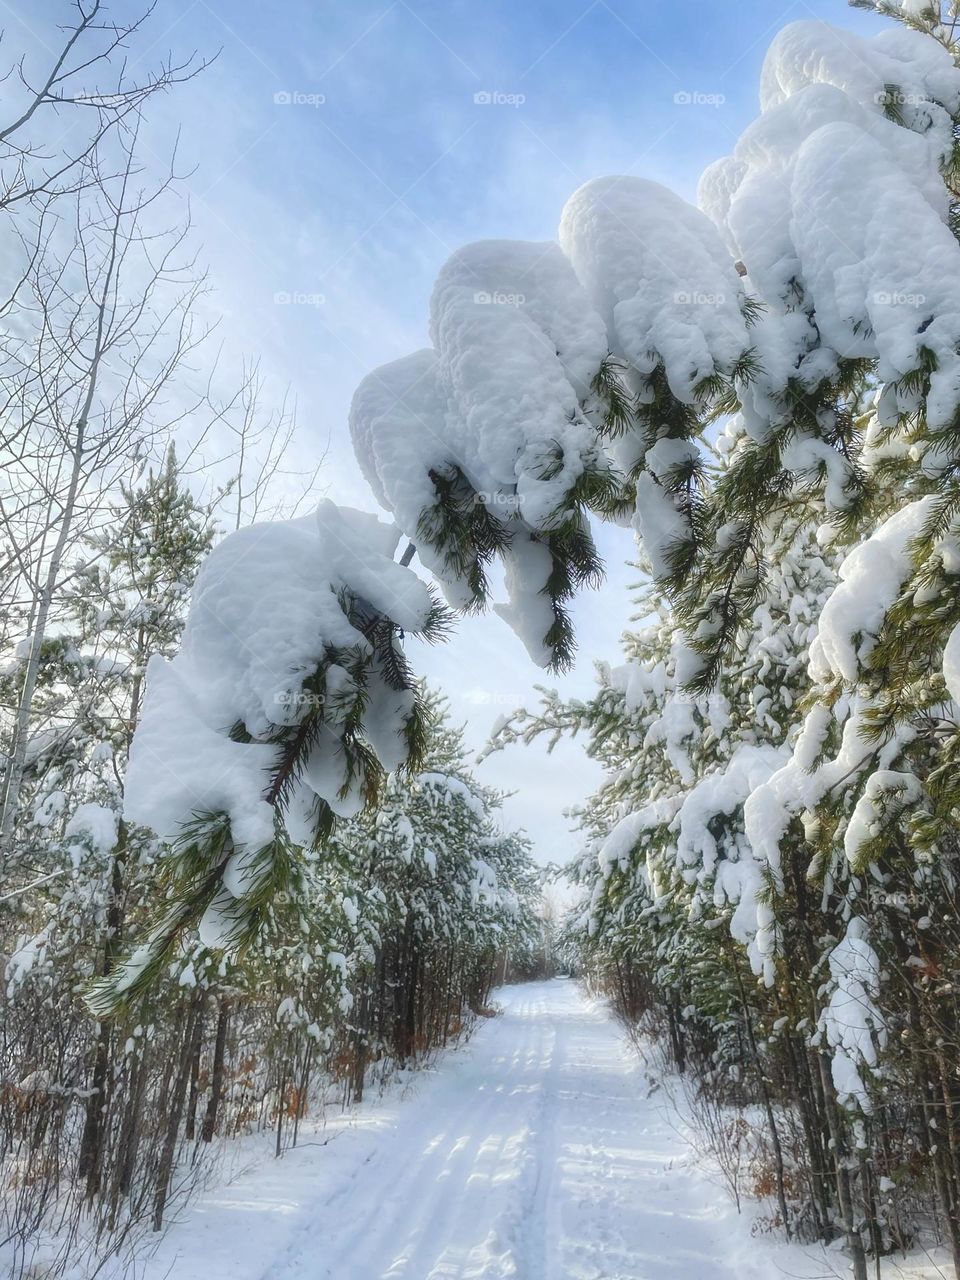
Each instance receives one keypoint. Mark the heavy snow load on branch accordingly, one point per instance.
(506, 427)
(574, 379)
(518, 347)
(289, 698)
(401, 438)
(871, 578)
(835, 202)
(851, 1023)
(530, 294)
(880, 267)
(485, 444)
(812, 52)
(657, 271)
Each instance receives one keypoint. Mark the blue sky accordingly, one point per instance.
(338, 156)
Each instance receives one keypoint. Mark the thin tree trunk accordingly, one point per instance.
(190, 1131)
(844, 1195)
(767, 1104)
(302, 1097)
(216, 1075)
(91, 1142)
(130, 1138)
(281, 1091)
(169, 1150)
(20, 735)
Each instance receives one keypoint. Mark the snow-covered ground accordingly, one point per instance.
(534, 1152)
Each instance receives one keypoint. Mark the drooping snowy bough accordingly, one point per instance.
(822, 271)
(288, 701)
(554, 371)
(580, 379)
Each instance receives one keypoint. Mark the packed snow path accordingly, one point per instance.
(533, 1153)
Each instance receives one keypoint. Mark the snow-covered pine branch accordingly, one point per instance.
(559, 380)
(288, 701)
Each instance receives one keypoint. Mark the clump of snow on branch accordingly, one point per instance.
(656, 270)
(860, 249)
(811, 52)
(398, 423)
(871, 577)
(851, 1022)
(96, 823)
(279, 611)
(493, 420)
(885, 789)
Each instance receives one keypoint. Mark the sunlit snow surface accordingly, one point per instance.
(536, 1152)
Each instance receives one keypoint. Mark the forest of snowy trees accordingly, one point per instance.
(247, 858)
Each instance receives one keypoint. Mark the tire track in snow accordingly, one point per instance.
(463, 1144)
(359, 1216)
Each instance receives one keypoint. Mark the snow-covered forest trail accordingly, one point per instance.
(534, 1153)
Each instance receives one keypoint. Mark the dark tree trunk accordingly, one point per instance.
(216, 1075)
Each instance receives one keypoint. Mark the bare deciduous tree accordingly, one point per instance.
(111, 318)
(89, 72)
